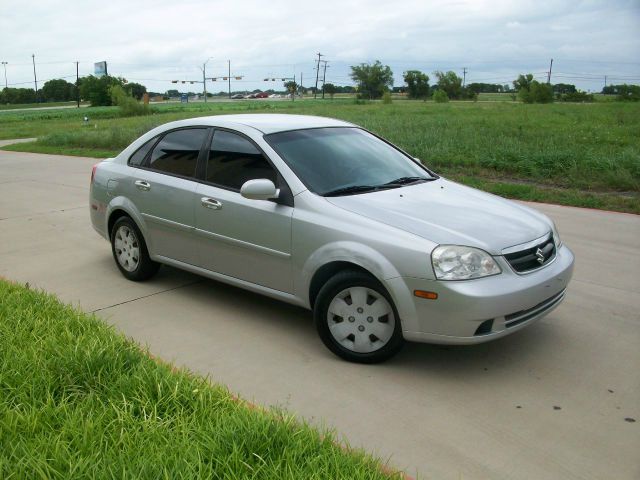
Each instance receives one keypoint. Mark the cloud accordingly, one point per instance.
(159, 40)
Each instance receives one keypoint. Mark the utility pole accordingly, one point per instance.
(324, 76)
(549, 76)
(6, 85)
(77, 85)
(204, 78)
(315, 92)
(301, 87)
(464, 76)
(204, 81)
(605, 78)
(229, 77)
(35, 80)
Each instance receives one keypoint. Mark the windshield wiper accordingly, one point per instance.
(357, 189)
(408, 180)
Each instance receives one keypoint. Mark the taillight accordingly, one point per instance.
(93, 172)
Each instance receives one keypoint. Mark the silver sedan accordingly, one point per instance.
(326, 215)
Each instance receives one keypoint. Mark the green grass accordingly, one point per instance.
(495, 97)
(78, 400)
(36, 105)
(587, 149)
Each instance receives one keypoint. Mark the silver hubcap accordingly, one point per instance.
(127, 248)
(360, 319)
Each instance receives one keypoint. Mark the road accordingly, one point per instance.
(556, 400)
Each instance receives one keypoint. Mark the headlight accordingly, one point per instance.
(453, 262)
(556, 235)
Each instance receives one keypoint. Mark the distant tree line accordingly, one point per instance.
(91, 89)
(372, 82)
(623, 92)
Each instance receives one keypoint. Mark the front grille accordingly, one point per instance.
(523, 315)
(534, 257)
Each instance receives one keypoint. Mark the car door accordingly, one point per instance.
(245, 239)
(163, 189)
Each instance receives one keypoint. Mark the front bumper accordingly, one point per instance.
(476, 311)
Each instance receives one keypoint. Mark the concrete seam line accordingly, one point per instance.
(146, 296)
(39, 214)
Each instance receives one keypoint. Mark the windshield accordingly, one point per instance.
(345, 160)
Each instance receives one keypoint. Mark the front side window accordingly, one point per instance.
(177, 152)
(233, 160)
(336, 159)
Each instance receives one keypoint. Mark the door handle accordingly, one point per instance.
(211, 203)
(142, 185)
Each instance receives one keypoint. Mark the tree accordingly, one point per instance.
(487, 88)
(135, 90)
(523, 82)
(540, 92)
(373, 80)
(624, 92)
(629, 92)
(128, 105)
(532, 91)
(450, 83)
(440, 96)
(58, 91)
(577, 96)
(17, 95)
(291, 86)
(562, 88)
(330, 89)
(96, 90)
(417, 84)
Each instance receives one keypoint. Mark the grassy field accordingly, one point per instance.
(78, 400)
(36, 105)
(575, 154)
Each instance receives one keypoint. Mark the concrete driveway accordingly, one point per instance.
(557, 400)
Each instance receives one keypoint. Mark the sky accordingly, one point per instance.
(154, 42)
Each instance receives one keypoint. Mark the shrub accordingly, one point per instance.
(629, 93)
(386, 98)
(440, 96)
(129, 106)
(536, 93)
(577, 96)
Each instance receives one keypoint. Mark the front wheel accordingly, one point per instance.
(356, 319)
(130, 251)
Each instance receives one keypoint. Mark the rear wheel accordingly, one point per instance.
(130, 251)
(356, 319)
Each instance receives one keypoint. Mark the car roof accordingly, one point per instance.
(267, 122)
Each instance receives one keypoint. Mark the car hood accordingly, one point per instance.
(446, 212)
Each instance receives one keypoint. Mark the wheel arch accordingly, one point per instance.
(121, 206)
(328, 270)
(339, 256)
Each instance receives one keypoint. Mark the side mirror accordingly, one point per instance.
(259, 189)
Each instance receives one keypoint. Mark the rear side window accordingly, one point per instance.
(137, 158)
(233, 160)
(177, 152)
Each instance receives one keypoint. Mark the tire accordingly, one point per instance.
(356, 318)
(130, 251)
